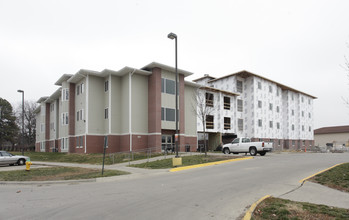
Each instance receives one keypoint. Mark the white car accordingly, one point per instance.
(244, 145)
(7, 158)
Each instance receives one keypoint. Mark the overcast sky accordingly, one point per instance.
(300, 44)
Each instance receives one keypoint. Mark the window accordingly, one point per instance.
(302, 99)
(292, 112)
(240, 105)
(64, 118)
(168, 114)
(226, 123)
(65, 94)
(52, 126)
(236, 141)
(52, 107)
(106, 86)
(259, 85)
(42, 127)
(259, 122)
(278, 125)
(270, 89)
(78, 90)
(309, 115)
(42, 147)
(227, 103)
(64, 144)
(292, 96)
(209, 99)
(302, 127)
(292, 127)
(239, 86)
(241, 124)
(82, 88)
(270, 124)
(270, 106)
(293, 142)
(277, 109)
(309, 129)
(106, 113)
(279, 142)
(259, 104)
(309, 101)
(277, 92)
(246, 140)
(168, 86)
(79, 142)
(209, 122)
(79, 115)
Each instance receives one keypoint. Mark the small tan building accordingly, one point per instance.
(336, 136)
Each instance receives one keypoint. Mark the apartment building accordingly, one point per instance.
(133, 108)
(263, 110)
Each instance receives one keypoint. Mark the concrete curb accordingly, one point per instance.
(46, 182)
(305, 179)
(207, 164)
(249, 212)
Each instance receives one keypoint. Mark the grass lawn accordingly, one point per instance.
(337, 177)
(84, 158)
(186, 161)
(56, 173)
(274, 208)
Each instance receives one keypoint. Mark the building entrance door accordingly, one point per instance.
(167, 143)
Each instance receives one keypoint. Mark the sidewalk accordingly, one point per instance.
(119, 166)
(319, 194)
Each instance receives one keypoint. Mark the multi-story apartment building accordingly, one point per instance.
(133, 108)
(262, 109)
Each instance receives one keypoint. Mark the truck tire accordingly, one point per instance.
(262, 153)
(226, 151)
(253, 151)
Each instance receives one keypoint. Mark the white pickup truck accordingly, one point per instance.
(244, 145)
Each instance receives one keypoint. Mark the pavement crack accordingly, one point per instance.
(293, 189)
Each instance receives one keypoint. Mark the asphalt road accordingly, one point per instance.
(217, 192)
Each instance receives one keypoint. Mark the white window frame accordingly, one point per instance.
(64, 118)
(65, 94)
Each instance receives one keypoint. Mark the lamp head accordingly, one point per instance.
(20, 91)
(172, 36)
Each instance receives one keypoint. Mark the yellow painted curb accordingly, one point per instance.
(207, 164)
(305, 179)
(252, 208)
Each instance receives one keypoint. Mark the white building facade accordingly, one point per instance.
(264, 110)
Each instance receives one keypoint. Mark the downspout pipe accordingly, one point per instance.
(130, 106)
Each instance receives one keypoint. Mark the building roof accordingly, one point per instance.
(331, 130)
(42, 99)
(63, 78)
(205, 76)
(245, 74)
(165, 67)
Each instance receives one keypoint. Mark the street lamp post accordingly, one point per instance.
(174, 36)
(21, 91)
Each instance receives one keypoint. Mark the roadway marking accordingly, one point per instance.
(208, 164)
(305, 179)
(253, 206)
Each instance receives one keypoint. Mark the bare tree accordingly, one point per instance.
(202, 110)
(29, 122)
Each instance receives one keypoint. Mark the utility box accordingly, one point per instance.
(176, 161)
